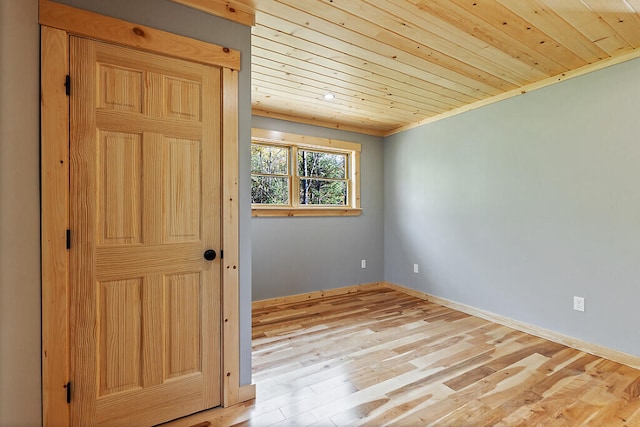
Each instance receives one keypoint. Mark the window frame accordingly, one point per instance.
(326, 145)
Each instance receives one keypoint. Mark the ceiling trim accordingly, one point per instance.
(236, 11)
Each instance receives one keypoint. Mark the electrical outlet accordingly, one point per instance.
(363, 263)
(415, 268)
(578, 303)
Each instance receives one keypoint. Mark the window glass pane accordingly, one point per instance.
(323, 192)
(322, 165)
(267, 159)
(270, 190)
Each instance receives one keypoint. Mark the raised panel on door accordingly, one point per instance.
(182, 322)
(145, 304)
(119, 305)
(183, 188)
(119, 171)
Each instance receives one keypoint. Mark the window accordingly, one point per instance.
(295, 175)
(270, 182)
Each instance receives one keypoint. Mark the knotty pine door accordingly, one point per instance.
(145, 205)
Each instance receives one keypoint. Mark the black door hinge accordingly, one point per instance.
(68, 239)
(221, 254)
(67, 84)
(68, 387)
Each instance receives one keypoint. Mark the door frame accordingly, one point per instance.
(58, 22)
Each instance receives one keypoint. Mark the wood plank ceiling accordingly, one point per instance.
(392, 64)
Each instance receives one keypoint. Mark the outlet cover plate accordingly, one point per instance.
(578, 303)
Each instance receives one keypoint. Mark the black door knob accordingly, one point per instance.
(209, 254)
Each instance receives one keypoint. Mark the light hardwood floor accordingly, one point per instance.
(381, 357)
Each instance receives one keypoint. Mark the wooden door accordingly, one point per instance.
(145, 205)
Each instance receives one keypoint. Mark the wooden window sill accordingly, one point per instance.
(290, 212)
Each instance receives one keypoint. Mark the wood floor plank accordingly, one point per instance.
(380, 357)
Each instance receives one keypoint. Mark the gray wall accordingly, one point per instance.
(19, 214)
(516, 207)
(297, 255)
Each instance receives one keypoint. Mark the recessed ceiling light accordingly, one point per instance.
(329, 96)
